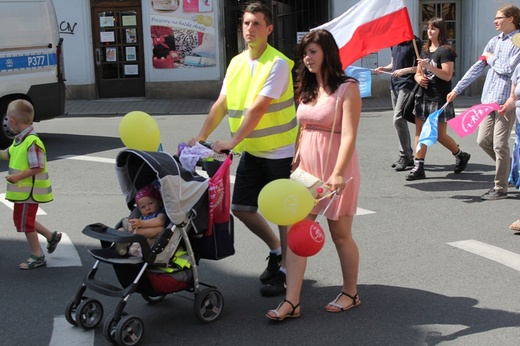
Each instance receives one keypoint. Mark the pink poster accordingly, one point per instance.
(467, 122)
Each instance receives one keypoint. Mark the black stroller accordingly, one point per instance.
(187, 201)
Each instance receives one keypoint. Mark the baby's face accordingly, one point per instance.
(148, 205)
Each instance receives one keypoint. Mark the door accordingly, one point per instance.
(289, 18)
(118, 49)
(450, 12)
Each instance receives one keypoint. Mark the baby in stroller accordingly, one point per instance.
(152, 222)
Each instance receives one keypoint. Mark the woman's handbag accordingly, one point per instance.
(311, 182)
(308, 180)
(409, 104)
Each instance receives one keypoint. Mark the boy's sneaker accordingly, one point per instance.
(33, 262)
(273, 266)
(403, 162)
(494, 195)
(416, 173)
(51, 245)
(275, 287)
(461, 161)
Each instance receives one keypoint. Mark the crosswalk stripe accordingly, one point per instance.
(499, 255)
(10, 205)
(65, 334)
(65, 254)
(88, 158)
(360, 211)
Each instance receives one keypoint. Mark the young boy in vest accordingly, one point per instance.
(28, 182)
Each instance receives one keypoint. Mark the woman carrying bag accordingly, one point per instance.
(321, 80)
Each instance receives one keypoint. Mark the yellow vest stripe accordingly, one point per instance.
(268, 131)
(276, 107)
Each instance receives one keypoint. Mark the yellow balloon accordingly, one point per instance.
(138, 130)
(285, 202)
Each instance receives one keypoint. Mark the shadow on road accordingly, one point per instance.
(60, 144)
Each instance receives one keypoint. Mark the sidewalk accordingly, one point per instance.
(121, 106)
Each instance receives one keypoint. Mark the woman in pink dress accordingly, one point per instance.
(321, 81)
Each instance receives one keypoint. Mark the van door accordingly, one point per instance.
(118, 49)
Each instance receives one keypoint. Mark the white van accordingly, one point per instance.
(31, 62)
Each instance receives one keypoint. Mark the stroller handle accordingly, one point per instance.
(208, 145)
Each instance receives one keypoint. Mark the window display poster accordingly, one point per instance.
(131, 35)
(111, 54)
(130, 53)
(107, 36)
(129, 20)
(106, 22)
(185, 37)
(131, 70)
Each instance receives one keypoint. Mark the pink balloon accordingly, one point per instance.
(306, 238)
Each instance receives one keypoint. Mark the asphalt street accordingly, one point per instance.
(438, 265)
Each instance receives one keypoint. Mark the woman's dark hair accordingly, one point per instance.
(443, 35)
(331, 69)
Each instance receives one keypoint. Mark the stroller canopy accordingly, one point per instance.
(180, 189)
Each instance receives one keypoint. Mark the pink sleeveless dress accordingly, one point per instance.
(316, 122)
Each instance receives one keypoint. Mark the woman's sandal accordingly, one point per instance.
(277, 316)
(515, 226)
(339, 308)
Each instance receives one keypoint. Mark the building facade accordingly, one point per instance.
(180, 48)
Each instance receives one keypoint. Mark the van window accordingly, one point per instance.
(29, 23)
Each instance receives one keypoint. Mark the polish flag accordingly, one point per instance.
(369, 26)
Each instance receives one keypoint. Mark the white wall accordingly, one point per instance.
(75, 29)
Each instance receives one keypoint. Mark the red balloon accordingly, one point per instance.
(306, 238)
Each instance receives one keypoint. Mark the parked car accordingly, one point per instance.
(31, 60)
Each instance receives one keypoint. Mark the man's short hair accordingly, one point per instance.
(257, 7)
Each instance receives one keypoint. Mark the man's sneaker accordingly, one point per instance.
(51, 245)
(461, 161)
(403, 162)
(416, 173)
(275, 287)
(494, 195)
(273, 267)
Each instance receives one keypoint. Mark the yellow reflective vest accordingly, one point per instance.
(39, 186)
(278, 126)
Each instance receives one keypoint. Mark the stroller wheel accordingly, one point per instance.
(109, 327)
(129, 331)
(89, 313)
(208, 305)
(153, 299)
(70, 310)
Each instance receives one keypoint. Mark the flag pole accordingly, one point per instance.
(417, 54)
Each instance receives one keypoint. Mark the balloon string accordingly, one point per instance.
(333, 195)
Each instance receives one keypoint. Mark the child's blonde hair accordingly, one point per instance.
(22, 111)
